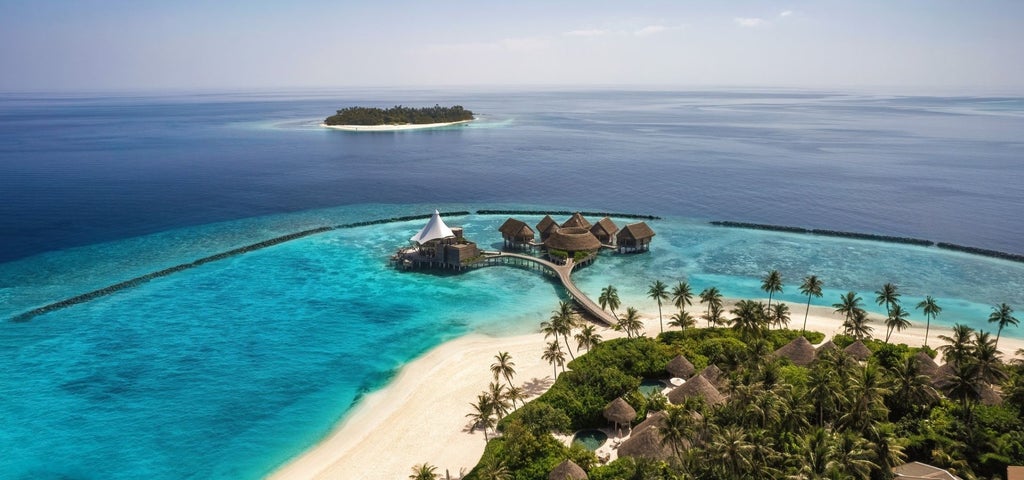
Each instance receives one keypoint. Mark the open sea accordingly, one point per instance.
(227, 370)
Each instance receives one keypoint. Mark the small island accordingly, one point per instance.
(397, 118)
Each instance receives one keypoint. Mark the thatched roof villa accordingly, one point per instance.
(567, 470)
(545, 225)
(605, 230)
(635, 237)
(516, 233)
(697, 386)
(576, 220)
(799, 351)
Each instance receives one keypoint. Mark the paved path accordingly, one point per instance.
(564, 273)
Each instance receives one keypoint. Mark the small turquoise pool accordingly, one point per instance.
(591, 439)
(649, 386)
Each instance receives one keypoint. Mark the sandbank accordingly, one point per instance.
(392, 128)
(421, 415)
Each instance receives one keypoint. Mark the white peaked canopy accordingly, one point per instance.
(434, 229)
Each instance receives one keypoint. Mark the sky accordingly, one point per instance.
(126, 45)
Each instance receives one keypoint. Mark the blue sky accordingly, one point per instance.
(905, 46)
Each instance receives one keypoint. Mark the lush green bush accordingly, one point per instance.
(526, 455)
(398, 115)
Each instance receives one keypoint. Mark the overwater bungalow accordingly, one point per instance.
(565, 242)
(516, 234)
(605, 230)
(635, 237)
(438, 245)
(545, 227)
(576, 221)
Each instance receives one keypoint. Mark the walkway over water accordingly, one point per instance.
(564, 274)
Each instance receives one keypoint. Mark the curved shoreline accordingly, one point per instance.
(392, 128)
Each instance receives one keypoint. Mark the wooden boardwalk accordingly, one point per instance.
(564, 274)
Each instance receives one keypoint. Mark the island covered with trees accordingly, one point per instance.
(399, 115)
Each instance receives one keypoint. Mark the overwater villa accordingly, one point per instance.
(438, 245)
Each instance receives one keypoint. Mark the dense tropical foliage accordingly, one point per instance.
(399, 115)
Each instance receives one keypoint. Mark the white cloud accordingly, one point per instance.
(650, 30)
(786, 13)
(523, 44)
(585, 33)
(748, 22)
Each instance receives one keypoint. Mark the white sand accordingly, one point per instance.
(421, 416)
(391, 128)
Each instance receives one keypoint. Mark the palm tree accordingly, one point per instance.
(990, 366)
(424, 471)
(712, 297)
(631, 323)
(677, 430)
(888, 295)
(811, 286)
(931, 310)
(897, 320)
(482, 414)
(823, 391)
(609, 298)
(499, 399)
(964, 384)
(858, 325)
(851, 457)
(682, 296)
(587, 338)
(516, 394)
(848, 305)
(866, 396)
(492, 469)
(561, 323)
(960, 346)
(779, 314)
(911, 388)
(749, 318)
(1002, 314)
(731, 450)
(682, 320)
(658, 291)
(555, 356)
(504, 367)
(772, 284)
(714, 316)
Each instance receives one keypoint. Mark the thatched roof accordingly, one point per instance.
(635, 231)
(577, 221)
(680, 367)
(713, 374)
(829, 345)
(858, 350)
(925, 364)
(656, 419)
(546, 223)
(990, 397)
(619, 411)
(799, 351)
(567, 470)
(604, 226)
(572, 239)
(515, 228)
(647, 444)
(941, 373)
(697, 386)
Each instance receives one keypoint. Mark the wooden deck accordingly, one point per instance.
(564, 274)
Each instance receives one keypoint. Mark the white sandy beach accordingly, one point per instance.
(391, 128)
(421, 416)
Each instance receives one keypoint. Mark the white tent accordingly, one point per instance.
(434, 229)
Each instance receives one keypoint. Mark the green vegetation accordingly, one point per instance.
(399, 115)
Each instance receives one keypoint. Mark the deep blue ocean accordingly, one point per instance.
(230, 369)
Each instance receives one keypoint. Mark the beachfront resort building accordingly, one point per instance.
(576, 237)
(438, 245)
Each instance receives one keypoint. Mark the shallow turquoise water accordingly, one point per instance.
(229, 369)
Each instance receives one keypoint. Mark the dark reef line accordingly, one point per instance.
(868, 236)
(85, 297)
(567, 212)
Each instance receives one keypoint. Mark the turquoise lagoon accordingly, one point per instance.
(230, 369)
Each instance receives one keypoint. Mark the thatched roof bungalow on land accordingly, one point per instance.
(680, 367)
(799, 351)
(646, 443)
(697, 386)
(516, 233)
(829, 345)
(635, 237)
(858, 350)
(926, 365)
(605, 230)
(567, 470)
(619, 412)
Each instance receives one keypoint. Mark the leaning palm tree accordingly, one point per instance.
(1002, 314)
(848, 305)
(631, 323)
(858, 325)
(516, 394)
(888, 295)
(555, 356)
(504, 367)
(587, 338)
(682, 320)
(561, 323)
(493, 470)
(897, 320)
(499, 399)
(779, 315)
(711, 296)
(482, 414)
(424, 471)
(930, 310)
(682, 296)
(772, 284)
(811, 286)
(749, 318)
(609, 298)
(658, 291)
(960, 346)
